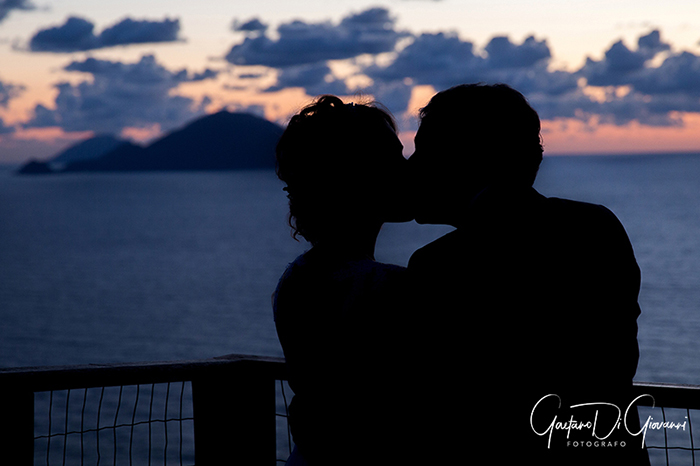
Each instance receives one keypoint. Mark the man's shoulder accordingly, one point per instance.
(567, 219)
(582, 216)
(576, 207)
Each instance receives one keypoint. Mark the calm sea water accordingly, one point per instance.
(99, 268)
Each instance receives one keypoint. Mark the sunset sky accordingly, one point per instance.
(613, 76)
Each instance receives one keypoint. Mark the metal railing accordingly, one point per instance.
(230, 409)
(667, 410)
(202, 411)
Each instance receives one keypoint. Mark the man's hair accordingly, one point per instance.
(329, 156)
(493, 129)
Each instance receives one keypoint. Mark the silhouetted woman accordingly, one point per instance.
(336, 308)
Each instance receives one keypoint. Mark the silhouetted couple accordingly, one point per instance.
(498, 341)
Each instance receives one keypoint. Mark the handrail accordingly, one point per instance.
(44, 378)
(668, 395)
(233, 387)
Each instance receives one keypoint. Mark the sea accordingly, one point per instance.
(127, 267)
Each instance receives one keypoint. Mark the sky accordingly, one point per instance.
(614, 76)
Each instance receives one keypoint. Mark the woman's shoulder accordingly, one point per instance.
(309, 270)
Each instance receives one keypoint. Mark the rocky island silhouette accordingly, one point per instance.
(219, 141)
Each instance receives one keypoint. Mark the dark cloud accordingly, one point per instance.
(206, 74)
(614, 109)
(651, 44)
(146, 71)
(43, 118)
(394, 95)
(616, 68)
(440, 59)
(76, 34)
(300, 43)
(251, 75)
(5, 129)
(678, 74)
(637, 107)
(650, 94)
(647, 82)
(129, 31)
(8, 91)
(444, 60)
(653, 92)
(316, 79)
(8, 5)
(621, 64)
(252, 25)
(574, 104)
(502, 53)
(302, 50)
(636, 90)
(120, 95)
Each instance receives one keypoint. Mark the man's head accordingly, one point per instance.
(472, 136)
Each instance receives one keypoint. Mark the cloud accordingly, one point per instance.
(652, 92)
(9, 91)
(443, 60)
(145, 72)
(120, 95)
(502, 53)
(129, 31)
(389, 63)
(616, 68)
(393, 95)
(621, 64)
(206, 74)
(636, 90)
(316, 79)
(574, 104)
(8, 5)
(76, 34)
(647, 82)
(440, 59)
(300, 43)
(614, 109)
(651, 44)
(677, 74)
(5, 129)
(252, 25)
(302, 50)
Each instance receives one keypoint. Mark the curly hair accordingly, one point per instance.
(328, 156)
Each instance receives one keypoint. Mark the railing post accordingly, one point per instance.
(234, 418)
(17, 426)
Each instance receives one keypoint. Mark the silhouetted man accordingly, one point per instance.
(528, 308)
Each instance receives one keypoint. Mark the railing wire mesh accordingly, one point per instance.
(154, 423)
(132, 425)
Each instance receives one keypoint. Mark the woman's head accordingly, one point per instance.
(343, 166)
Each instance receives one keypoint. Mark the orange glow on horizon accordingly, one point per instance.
(561, 137)
(142, 134)
(574, 137)
(51, 134)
